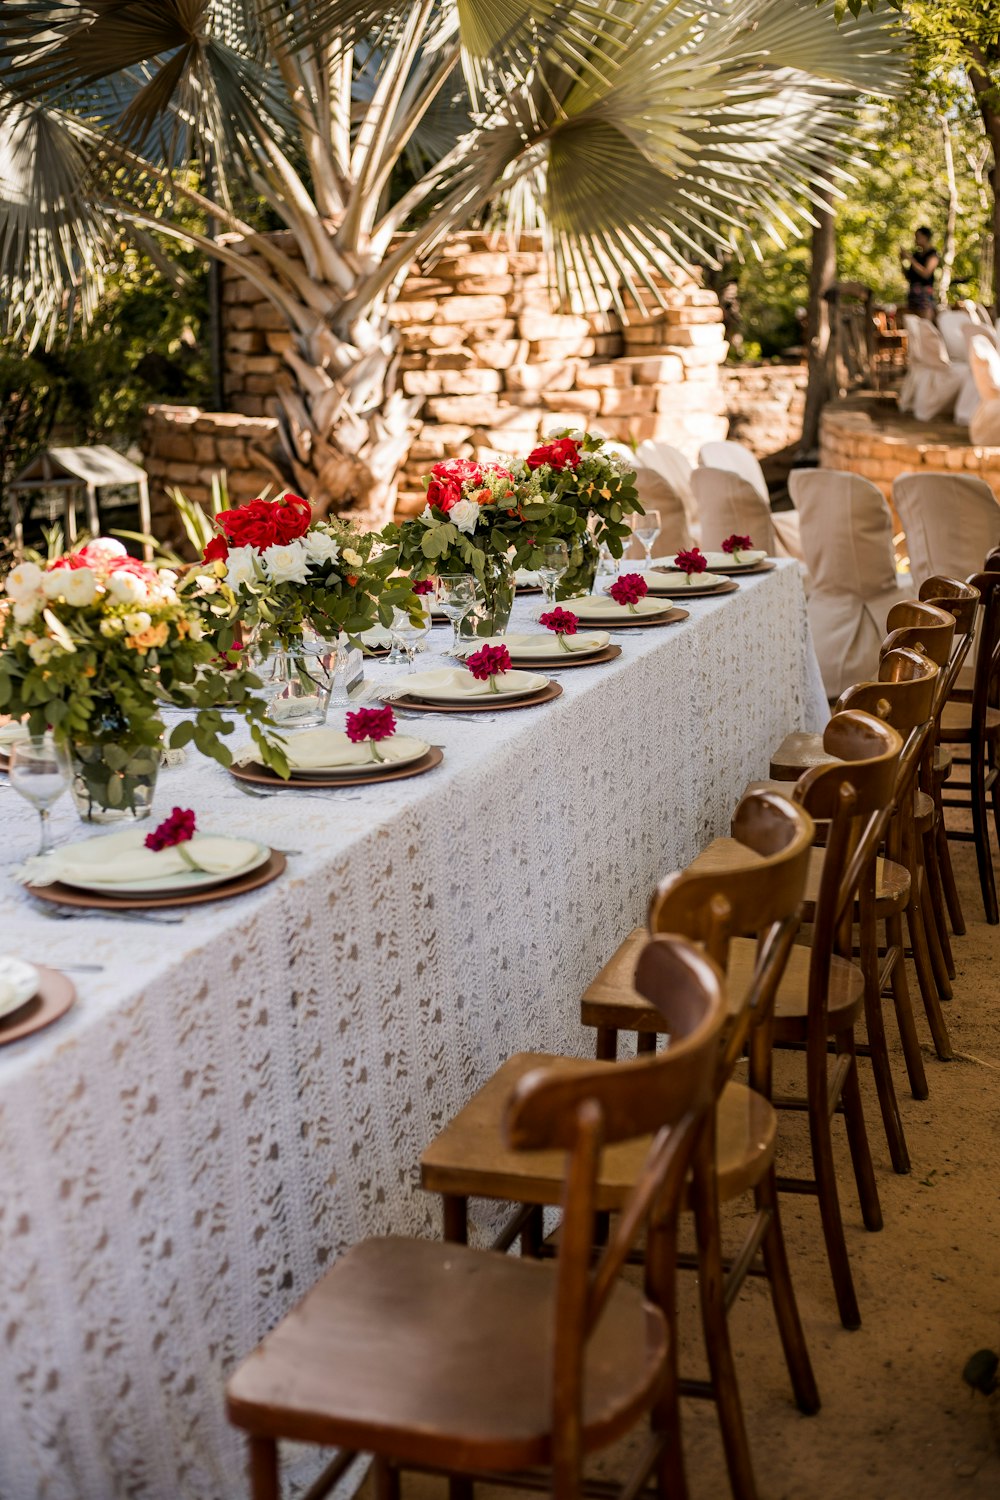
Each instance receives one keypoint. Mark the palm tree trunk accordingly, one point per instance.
(982, 76)
(822, 274)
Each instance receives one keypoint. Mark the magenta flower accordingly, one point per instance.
(690, 562)
(371, 724)
(560, 621)
(629, 589)
(487, 663)
(177, 829)
(425, 586)
(737, 544)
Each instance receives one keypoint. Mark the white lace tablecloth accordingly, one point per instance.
(234, 1100)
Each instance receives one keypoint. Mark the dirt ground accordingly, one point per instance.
(897, 1421)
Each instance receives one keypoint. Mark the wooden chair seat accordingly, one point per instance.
(798, 753)
(956, 723)
(942, 763)
(436, 1354)
(612, 1001)
(892, 881)
(923, 812)
(469, 1159)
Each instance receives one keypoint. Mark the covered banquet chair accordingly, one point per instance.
(984, 363)
(675, 469)
(932, 383)
(735, 459)
(951, 522)
(969, 398)
(847, 541)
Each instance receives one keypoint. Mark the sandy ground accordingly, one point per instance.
(897, 1421)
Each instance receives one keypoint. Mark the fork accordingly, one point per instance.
(68, 914)
(281, 791)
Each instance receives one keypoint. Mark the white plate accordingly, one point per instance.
(748, 559)
(601, 608)
(676, 582)
(542, 644)
(183, 880)
(411, 749)
(18, 984)
(522, 685)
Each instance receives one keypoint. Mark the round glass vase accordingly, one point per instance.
(491, 616)
(111, 782)
(297, 680)
(580, 576)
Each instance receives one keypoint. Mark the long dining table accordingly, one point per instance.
(239, 1095)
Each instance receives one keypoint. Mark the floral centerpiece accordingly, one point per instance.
(478, 521)
(296, 587)
(91, 644)
(597, 490)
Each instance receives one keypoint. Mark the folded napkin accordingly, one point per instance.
(11, 732)
(378, 636)
(18, 983)
(454, 683)
(329, 749)
(603, 607)
(542, 643)
(729, 560)
(677, 581)
(123, 857)
(527, 578)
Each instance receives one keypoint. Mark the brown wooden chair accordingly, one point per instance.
(736, 1154)
(974, 726)
(438, 1356)
(822, 993)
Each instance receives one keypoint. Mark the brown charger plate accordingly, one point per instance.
(669, 617)
(568, 659)
(259, 775)
(767, 566)
(682, 591)
(375, 650)
(56, 994)
(67, 895)
(475, 705)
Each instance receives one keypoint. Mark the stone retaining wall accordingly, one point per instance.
(867, 436)
(765, 405)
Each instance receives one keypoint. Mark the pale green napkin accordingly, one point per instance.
(11, 732)
(122, 858)
(729, 560)
(542, 643)
(603, 607)
(677, 581)
(378, 637)
(322, 749)
(455, 684)
(527, 579)
(18, 983)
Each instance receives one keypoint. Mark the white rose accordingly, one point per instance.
(80, 587)
(138, 621)
(321, 547)
(127, 588)
(54, 583)
(112, 626)
(25, 610)
(23, 581)
(465, 516)
(241, 566)
(207, 584)
(287, 564)
(103, 548)
(352, 558)
(41, 651)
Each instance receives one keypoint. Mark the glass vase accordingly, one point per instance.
(579, 577)
(491, 615)
(297, 680)
(112, 782)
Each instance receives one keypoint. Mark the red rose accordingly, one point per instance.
(560, 621)
(444, 493)
(176, 829)
(736, 543)
(71, 560)
(564, 453)
(250, 525)
(292, 518)
(487, 662)
(459, 471)
(629, 589)
(690, 562)
(370, 724)
(217, 550)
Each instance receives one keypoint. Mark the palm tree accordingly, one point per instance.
(371, 129)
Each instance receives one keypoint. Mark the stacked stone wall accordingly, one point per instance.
(864, 437)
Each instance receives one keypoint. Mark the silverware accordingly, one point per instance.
(80, 968)
(70, 913)
(293, 791)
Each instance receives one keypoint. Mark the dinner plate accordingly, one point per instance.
(675, 583)
(18, 984)
(412, 749)
(724, 562)
(540, 645)
(602, 610)
(182, 880)
(527, 683)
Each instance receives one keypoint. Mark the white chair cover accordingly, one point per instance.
(951, 325)
(656, 493)
(675, 468)
(969, 399)
(984, 362)
(727, 504)
(738, 460)
(846, 529)
(932, 383)
(951, 522)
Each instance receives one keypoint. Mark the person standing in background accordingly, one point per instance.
(919, 268)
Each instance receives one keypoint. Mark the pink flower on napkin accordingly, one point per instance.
(629, 589)
(177, 829)
(560, 621)
(425, 586)
(487, 662)
(370, 724)
(736, 543)
(693, 561)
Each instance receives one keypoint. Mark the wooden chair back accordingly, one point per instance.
(905, 694)
(984, 687)
(667, 1095)
(959, 598)
(922, 626)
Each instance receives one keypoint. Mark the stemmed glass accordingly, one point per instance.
(409, 632)
(607, 569)
(40, 771)
(456, 596)
(645, 529)
(552, 562)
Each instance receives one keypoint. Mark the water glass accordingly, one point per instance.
(40, 772)
(456, 596)
(645, 529)
(409, 631)
(551, 561)
(607, 570)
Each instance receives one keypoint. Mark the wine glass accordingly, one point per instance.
(410, 630)
(40, 771)
(457, 598)
(645, 529)
(552, 562)
(607, 570)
